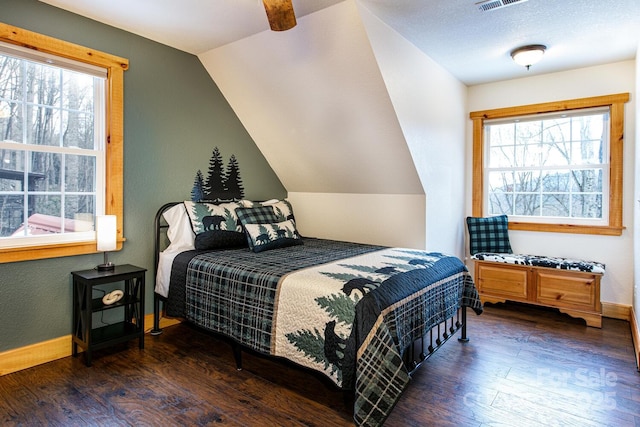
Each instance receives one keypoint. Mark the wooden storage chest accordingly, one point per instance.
(576, 293)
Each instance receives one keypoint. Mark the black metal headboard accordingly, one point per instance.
(160, 231)
(160, 227)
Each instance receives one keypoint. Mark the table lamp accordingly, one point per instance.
(106, 233)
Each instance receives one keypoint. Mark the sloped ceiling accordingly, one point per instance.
(315, 102)
(193, 26)
(471, 44)
(314, 98)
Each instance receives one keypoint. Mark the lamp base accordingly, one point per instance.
(106, 267)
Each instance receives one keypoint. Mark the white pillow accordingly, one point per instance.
(179, 233)
(250, 203)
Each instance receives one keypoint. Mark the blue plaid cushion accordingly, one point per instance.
(489, 234)
(258, 215)
(281, 208)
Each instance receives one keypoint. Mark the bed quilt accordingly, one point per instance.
(343, 309)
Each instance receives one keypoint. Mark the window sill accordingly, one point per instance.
(567, 228)
(29, 253)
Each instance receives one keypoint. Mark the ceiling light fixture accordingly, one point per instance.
(528, 55)
(280, 14)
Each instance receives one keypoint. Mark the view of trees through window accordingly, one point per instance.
(551, 166)
(50, 157)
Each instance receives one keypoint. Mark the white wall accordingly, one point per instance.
(315, 103)
(430, 105)
(636, 204)
(357, 123)
(615, 251)
(380, 219)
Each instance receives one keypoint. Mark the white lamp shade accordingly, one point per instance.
(106, 232)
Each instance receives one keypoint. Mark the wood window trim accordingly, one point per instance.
(114, 168)
(615, 103)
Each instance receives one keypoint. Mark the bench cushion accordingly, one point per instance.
(542, 261)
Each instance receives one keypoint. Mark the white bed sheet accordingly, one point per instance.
(181, 239)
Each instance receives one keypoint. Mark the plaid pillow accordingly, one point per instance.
(282, 208)
(259, 215)
(272, 212)
(489, 234)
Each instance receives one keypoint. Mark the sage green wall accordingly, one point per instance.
(174, 115)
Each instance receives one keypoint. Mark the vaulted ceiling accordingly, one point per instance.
(367, 96)
(471, 44)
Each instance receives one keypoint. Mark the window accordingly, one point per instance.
(60, 146)
(52, 149)
(548, 168)
(551, 167)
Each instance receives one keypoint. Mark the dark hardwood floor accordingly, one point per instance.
(524, 366)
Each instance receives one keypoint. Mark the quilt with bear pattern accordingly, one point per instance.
(344, 309)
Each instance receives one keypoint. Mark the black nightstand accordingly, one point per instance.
(84, 305)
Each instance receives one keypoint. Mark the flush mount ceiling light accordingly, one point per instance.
(280, 14)
(528, 55)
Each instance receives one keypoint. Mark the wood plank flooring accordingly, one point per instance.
(524, 366)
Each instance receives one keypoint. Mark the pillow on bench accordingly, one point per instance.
(489, 234)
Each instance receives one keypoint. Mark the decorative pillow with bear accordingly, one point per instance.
(215, 226)
(269, 213)
(282, 209)
(266, 236)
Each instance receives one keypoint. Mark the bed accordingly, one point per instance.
(364, 316)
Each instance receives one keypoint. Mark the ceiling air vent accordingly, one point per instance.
(496, 4)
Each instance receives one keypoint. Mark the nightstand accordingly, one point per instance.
(85, 305)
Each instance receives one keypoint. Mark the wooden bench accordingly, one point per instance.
(572, 286)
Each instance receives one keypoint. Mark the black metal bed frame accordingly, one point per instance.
(413, 356)
(158, 226)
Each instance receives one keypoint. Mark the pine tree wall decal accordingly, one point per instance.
(215, 181)
(233, 182)
(220, 184)
(197, 192)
